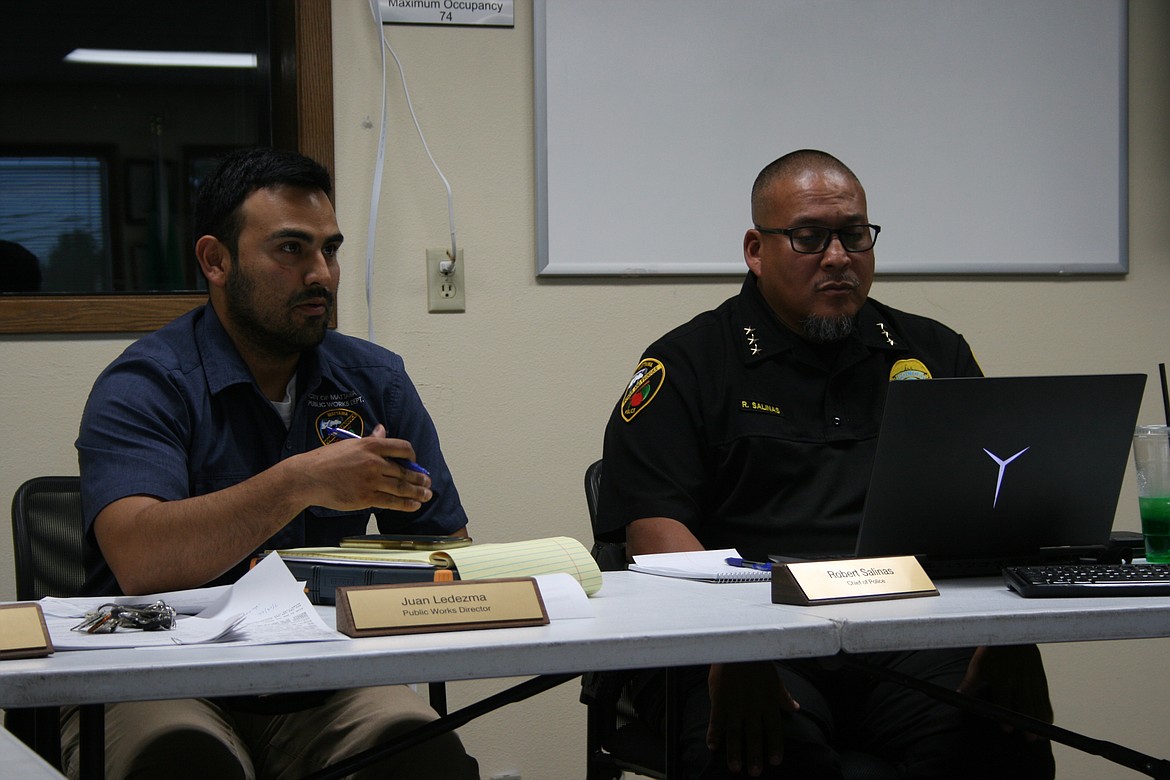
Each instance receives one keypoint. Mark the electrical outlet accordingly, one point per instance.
(444, 291)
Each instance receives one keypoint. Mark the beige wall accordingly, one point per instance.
(520, 384)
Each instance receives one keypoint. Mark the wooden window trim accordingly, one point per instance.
(135, 312)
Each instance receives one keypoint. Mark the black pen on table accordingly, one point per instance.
(342, 433)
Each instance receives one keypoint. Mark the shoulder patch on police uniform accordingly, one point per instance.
(643, 386)
(909, 369)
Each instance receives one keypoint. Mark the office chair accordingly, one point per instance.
(47, 539)
(615, 740)
(47, 536)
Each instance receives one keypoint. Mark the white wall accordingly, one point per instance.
(520, 385)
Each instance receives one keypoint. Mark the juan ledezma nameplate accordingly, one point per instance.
(378, 610)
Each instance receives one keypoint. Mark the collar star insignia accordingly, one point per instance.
(753, 342)
(886, 334)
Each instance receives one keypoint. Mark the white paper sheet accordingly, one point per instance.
(185, 602)
(267, 606)
(187, 631)
(563, 596)
(275, 608)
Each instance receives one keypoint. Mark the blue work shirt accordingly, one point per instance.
(178, 414)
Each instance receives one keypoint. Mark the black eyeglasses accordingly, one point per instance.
(814, 239)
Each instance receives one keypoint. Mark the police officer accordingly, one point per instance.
(754, 426)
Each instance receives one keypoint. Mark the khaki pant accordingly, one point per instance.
(197, 738)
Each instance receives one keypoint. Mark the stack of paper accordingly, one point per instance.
(267, 606)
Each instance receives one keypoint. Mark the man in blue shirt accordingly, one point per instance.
(206, 442)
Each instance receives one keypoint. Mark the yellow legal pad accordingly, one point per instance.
(551, 555)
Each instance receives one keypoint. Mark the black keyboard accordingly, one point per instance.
(1089, 579)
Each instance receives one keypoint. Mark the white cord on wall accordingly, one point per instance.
(376, 191)
(446, 266)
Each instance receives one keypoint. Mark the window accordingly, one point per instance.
(100, 191)
(54, 220)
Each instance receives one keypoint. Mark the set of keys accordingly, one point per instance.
(108, 618)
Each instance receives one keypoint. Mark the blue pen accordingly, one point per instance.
(342, 433)
(742, 564)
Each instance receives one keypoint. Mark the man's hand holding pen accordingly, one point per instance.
(343, 433)
(367, 472)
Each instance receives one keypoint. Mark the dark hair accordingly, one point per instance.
(242, 172)
(790, 165)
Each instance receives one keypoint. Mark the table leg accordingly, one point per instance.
(674, 706)
(92, 741)
(437, 693)
(46, 733)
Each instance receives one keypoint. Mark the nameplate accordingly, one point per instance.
(23, 633)
(858, 579)
(415, 608)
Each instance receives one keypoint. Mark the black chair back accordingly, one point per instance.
(615, 740)
(610, 556)
(48, 530)
(47, 535)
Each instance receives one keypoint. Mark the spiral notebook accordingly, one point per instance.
(704, 565)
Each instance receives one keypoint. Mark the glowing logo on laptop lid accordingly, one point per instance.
(1002, 466)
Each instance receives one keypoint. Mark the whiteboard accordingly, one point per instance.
(990, 135)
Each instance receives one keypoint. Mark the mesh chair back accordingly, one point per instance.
(47, 533)
(592, 488)
(615, 741)
(610, 556)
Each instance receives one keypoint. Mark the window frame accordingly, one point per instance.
(302, 119)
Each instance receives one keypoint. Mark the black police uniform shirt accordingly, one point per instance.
(756, 439)
(178, 414)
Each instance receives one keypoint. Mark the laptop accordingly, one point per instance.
(975, 474)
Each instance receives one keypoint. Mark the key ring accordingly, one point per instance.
(108, 618)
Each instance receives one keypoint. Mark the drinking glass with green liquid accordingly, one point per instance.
(1151, 457)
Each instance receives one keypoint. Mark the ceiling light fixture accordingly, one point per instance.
(165, 59)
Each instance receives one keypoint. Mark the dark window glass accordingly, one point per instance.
(119, 221)
(56, 209)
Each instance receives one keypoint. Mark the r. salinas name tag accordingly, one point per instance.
(415, 608)
(858, 579)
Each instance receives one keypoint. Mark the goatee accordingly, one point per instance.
(820, 329)
(275, 332)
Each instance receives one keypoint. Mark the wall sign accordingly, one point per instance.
(470, 13)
